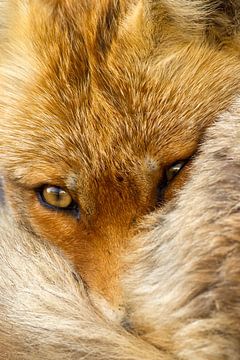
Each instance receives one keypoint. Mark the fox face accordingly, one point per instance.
(182, 287)
(103, 105)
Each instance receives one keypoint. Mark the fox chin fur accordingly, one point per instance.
(182, 291)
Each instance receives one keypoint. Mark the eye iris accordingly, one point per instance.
(56, 196)
(174, 170)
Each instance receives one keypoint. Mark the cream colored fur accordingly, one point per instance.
(46, 312)
(100, 97)
(186, 278)
(182, 293)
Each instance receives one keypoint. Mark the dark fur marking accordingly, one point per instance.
(107, 28)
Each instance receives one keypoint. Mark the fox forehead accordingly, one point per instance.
(144, 110)
(98, 96)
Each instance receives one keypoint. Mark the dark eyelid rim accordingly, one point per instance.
(41, 186)
(184, 161)
(73, 208)
(165, 183)
(38, 185)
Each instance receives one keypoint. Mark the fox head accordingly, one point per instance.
(102, 107)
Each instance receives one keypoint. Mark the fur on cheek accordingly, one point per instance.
(184, 274)
(88, 91)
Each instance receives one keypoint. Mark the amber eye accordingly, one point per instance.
(174, 170)
(55, 197)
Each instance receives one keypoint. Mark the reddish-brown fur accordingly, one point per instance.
(100, 97)
(182, 291)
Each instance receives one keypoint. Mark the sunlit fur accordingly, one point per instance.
(182, 292)
(185, 282)
(100, 97)
(46, 312)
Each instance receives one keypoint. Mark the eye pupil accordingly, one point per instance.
(174, 170)
(56, 197)
(169, 174)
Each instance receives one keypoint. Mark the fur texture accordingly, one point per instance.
(182, 293)
(46, 310)
(101, 98)
(187, 263)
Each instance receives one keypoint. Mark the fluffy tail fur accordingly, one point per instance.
(187, 270)
(46, 312)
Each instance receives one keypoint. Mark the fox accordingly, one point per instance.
(185, 262)
(181, 289)
(104, 106)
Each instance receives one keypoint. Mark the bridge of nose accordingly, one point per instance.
(117, 207)
(120, 198)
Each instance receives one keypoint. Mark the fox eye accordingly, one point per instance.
(174, 170)
(56, 197)
(169, 174)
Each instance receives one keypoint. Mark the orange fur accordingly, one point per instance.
(100, 97)
(181, 293)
